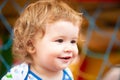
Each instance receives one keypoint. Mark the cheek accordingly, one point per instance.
(76, 51)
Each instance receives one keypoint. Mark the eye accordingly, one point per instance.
(73, 41)
(59, 40)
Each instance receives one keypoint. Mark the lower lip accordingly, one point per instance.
(65, 60)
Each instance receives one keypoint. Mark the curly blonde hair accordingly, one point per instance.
(34, 18)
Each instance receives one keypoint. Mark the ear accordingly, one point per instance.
(30, 47)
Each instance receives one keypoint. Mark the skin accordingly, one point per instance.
(113, 74)
(55, 51)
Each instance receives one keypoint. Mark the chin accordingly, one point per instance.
(63, 67)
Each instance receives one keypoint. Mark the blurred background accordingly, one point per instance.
(99, 43)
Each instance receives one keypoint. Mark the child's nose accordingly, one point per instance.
(68, 49)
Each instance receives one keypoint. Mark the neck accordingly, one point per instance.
(46, 74)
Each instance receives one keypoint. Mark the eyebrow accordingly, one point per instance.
(71, 38)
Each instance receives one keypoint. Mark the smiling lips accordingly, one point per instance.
(65, 59)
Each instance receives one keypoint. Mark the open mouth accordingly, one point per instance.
(64, 58)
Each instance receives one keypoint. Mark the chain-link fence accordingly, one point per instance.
(101, 32)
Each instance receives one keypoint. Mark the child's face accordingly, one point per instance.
(58, 47)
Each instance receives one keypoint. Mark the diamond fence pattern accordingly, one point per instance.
(5, 47)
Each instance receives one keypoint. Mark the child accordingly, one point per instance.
(45, 40)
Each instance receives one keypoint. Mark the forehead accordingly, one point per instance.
(62, 27)
(59, 29)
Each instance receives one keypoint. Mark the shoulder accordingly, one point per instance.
(16, 72)
(68, 71)
(113, 74)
